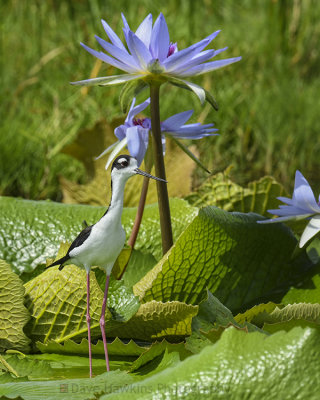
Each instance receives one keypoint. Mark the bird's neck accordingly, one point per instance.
(116, 203)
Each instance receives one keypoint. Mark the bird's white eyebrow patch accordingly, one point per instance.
(121, 160)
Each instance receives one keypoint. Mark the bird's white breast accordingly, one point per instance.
(103, 245)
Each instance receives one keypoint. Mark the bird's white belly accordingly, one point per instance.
(100, 249)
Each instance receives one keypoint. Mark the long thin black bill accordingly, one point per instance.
(138, 171)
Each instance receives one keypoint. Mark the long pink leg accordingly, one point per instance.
(88, 322)
(102, 322)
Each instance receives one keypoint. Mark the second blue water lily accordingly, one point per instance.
(134, 133)
(303, 205)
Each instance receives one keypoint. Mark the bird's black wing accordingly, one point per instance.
(82, 237)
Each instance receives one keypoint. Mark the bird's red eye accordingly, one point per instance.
(124, 163)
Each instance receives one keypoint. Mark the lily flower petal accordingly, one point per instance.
(204, 42)
(107, 150)
(120, 145)
(311, 230)
(120, 132)
(137, 138)
(160, 40)
(303, 194)
(113, 36)
(199, 58)
(284, 219)
(109, 60)
(108, 80)
(176, 120)
(175, 127)
(144, 30)
(125, 23)
(286, 200)
(139, 51)
(136, 110)
(210, 66)
(216, 52)
(181, 57)
(302, 205)
(118, 53)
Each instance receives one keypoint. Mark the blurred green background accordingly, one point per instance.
(269, 102)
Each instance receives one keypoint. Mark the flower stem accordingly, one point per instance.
(137, 221)
(163, 199)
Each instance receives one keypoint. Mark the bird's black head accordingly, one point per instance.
(121, 162)
(125, 166)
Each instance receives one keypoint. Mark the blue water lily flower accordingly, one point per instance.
(134, 133)
(150, 55)
(302, 205)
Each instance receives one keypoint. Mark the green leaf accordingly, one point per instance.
(121, 263)
(157, 320)
(273, 318)
(155, 352)
(117, 347)
(256, 314)
(29, 368)
(293, 315)
(13, 314)
(35, 229)
(67, 366)
(211, 321)
(130, 90)
(307, 291)
(139, 264)
(159, 363)
(288, 325)
(197, 341)
(213, 315)
(220, 191)
(7, 377)
(66, 389)
(230, 254)
(276, 367)
(308, 312)
(211, 100)
(5, 366)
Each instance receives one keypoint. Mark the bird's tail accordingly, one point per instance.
(60, 262)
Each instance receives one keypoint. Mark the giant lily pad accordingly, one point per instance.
(219, 190)
(232, 255)
(13, 314)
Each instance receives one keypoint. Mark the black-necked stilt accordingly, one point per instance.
(101, 243)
